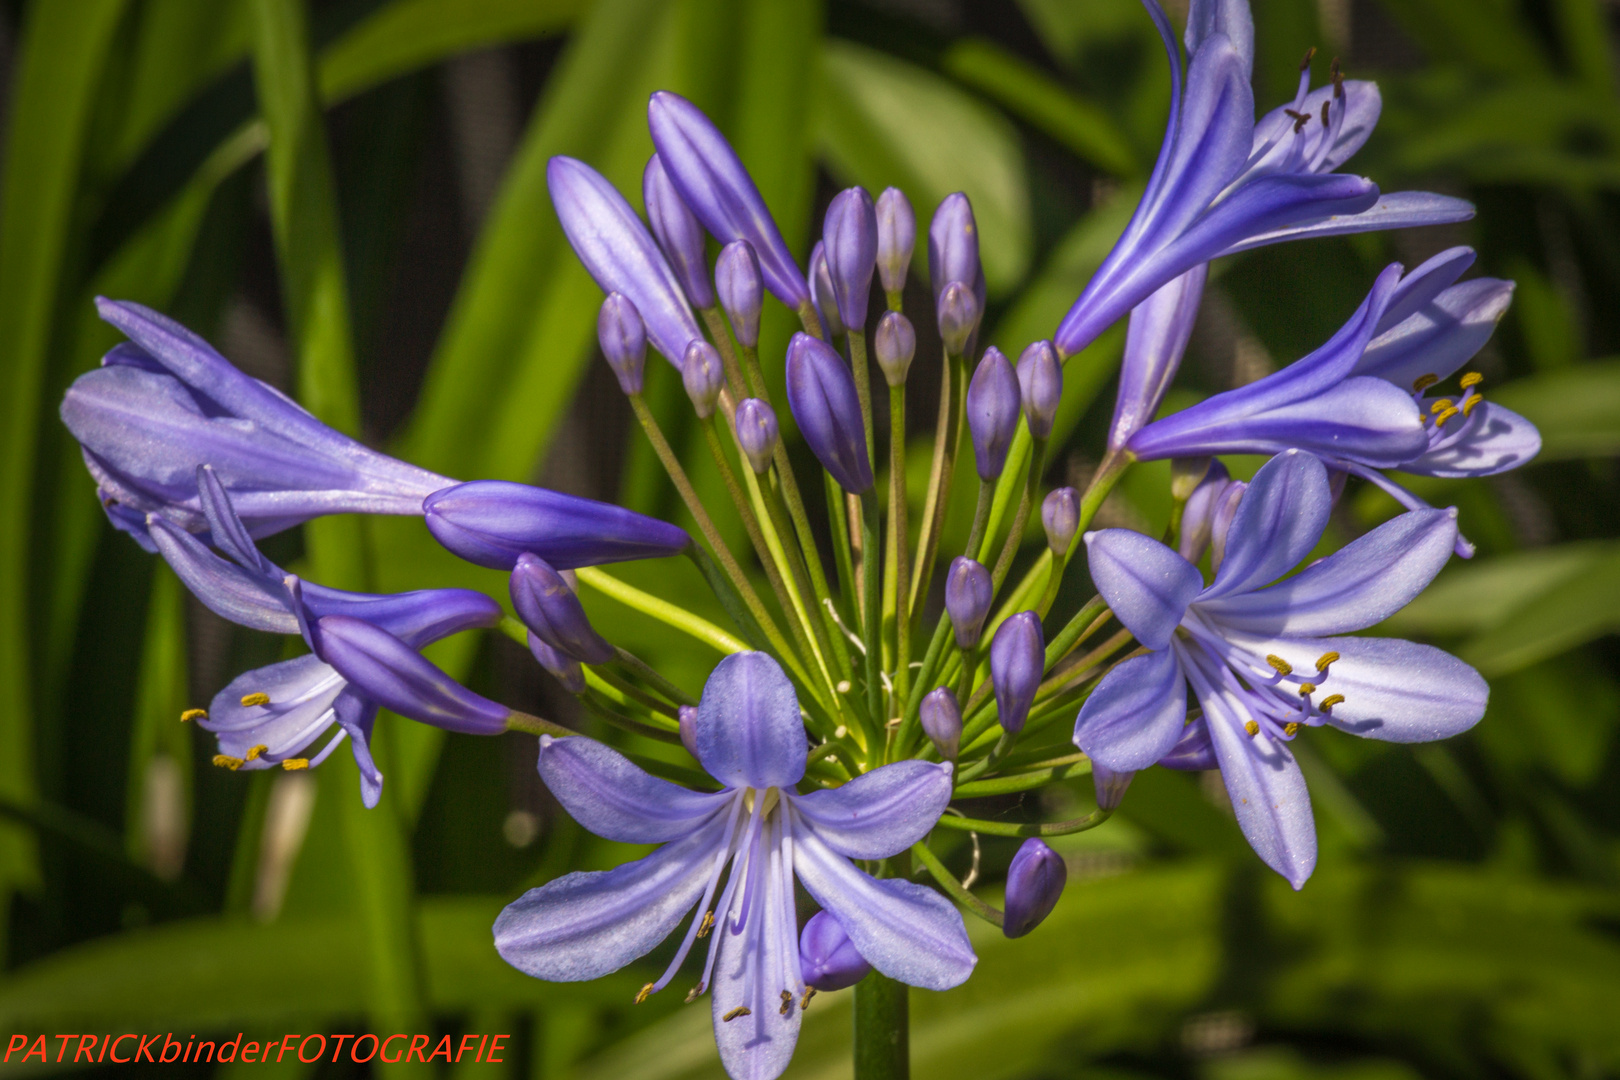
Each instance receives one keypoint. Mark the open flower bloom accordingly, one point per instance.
(748, 736)
(271, 716)
(1224, 184)
(1264, 660)
(165, 402)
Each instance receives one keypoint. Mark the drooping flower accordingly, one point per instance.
(165, 402)
(271, 716)
(1265, 660)
(1224, 184)
(749, 737)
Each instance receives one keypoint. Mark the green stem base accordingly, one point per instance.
(882, 1029)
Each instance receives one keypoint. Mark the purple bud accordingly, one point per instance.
(821, 393)
(1110, 786)
(850, 238)
(953, 244)
(1035, 880)
(1221, 520)
(1193, 752)
(897, 236)
(551, 611)
(1060, 514)
(895, 345)
(1017, 660)
(826, 955)
(992, 412)
(688, 721)
(821, 290)
(968, 592)
(757, 432)
(564, 668)
(624, 341)
(395, 676)
(1198, 516)
(704, 377)
(742, 294)
(958, 313)
(712, 181)
(942, 721)
(620, 253)
(492, 522)
(678, 232)
(1040, 378)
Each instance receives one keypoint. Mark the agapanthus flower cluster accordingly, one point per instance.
(848, 715)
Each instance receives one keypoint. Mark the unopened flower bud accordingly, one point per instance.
(968, 593)
(1198, 516)
(821, 291)
(942, 721)
(849, 238)
(827, 957)
(688, 722)
(895, 344)
(551, 611)
(757, 432)
(704, 377)
(1060, 515)
(958, 314)
(1017, 661)
(624, 341)
(492, 522)
(1040, 380)
(821, 393)
(678, 233)
(897, 236)
(992, 412)
(741, 290)
(564, 668)
(1226, 507)
(1110, 786)
(397, 677)
(1035, 880)
(953, 244)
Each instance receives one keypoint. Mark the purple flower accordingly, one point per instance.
(1154, 345)
(1017, 660)
(272, 715)
(757, 432)
(895, 344)
(551, 611)
(1208, 514)
(897, 236)
(749, 737)
(1266, 662)
(678, 232)
(958, 310)
(1035, 880)
(736, 279)
(850, 242)
(821, 393)
(703, 376)
(623, 338)
(559, 665)
(712, 181)
(1040, 386)
(993, 400)
(828, 958)
(1224, 184)
(822, 292)
(968, 593)
(953, 244)
(941, 718)
(165, 402)
(620, 253)
(1060, 516)
(492, 522)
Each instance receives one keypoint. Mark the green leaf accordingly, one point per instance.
(1579, 609)
(1473, 597)
(883, 121)
(1576, 408)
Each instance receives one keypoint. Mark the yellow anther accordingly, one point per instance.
(644, 993)
(1473, 378)
(706, 925)
(695, 993)
(225, 761)
(1306, 689)
(741, 1010)
(1291, 729)
(254, 751)
(1423, 382)
(804, 1002)
(194, 714)
(1328, 702)
(787, 1002)
(1281, 666)
(1470, 401)
(293, 764)
(1324, 660)
(1440, 405)
(1440, 419)
(1252, 727)
(250, 700)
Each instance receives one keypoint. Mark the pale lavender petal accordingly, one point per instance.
(302, 694)
(1274, 130)
(753, 970)
(1489, 440)
(1154, 345)
(227, 590)
(748, 731)
(1198, 517)
(1270, 799)
(1441, 336)
(616, 799)
(1193, 752)
(1420, 288)
(1361, 584)
(589, 924)
(1399, 210)
(1146, 585)
(394, 675)
(1135, 715)
(1278, 522)
(908, 932)
(1230, 18)
(879, 813)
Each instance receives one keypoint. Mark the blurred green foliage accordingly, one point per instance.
(1463, 921)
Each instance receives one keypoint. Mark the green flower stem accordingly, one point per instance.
(989, 762)
(756, 375)
(1092, 614)
(1022, 781)
(811, 583)
(947, 439)
(872, 622)
(534, 725)
(899, 539)
(1067, 673)
(811, 321)
(1015, 535)
(645, 672)
(720, 334)
(843, 556)
(838, 751)
(954, 888)
(628, 692)
(597, 704)
(793, 499)
(863, 385)
(1034, 828)
(677, 618)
